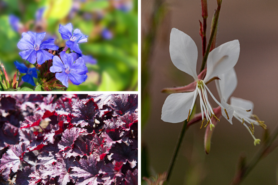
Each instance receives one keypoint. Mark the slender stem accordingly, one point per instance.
(245, 170)
(184, 128)
(204, 15)
(212, 35)
(65, 48)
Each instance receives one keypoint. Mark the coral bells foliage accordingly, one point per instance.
(69, 139)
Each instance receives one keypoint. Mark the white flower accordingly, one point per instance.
(183, 51)
(240, 109)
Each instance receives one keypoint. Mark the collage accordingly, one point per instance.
(138, 92)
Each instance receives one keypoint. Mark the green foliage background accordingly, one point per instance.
(117, 59)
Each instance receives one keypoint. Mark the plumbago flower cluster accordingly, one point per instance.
(220, 67)
(54, 66)
(69, 139)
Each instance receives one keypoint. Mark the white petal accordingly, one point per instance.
(183, 52)
(227, 84)
(176, 107)
(229, 109)
(241, 105)
(222, 59)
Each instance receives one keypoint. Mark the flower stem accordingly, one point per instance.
(204, 27)
(65, 48)
(246, 169)
(184, 128)
(212, 35)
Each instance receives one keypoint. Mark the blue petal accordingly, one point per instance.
(75, 56)
(66, 58)
(49, 44)
(77, 79)
(74, 46)
(57, 65)
(28, 79)
(79, 67)
(20, 67)
(43, 56)
(63, 77)
(89, 59)
(39, 13)
(65, 31)
(33, 72)
(39, 38)
(14, 22)
(32, 57)
(26, 42)
(81, 38)
(25, 54)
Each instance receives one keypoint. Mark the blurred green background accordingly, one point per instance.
(112, 27)
(253, 23)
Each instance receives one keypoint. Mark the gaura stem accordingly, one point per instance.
(184, 128)
(212, 35)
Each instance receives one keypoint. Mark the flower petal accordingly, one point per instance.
(176, 107)
(40, 37)
(26, 42)
(74, 46)
(57, 65)
(79, 66)
(43, 56)
(227, 84)
(89, 59)
(183, 52)
(33, 72)
(65, 31)
(28, 79)
(32, 58)
(241, 105)
(49, 44)
(81, 37)
(63, 77)
(77, 79)
(20, 67)
(222, 59)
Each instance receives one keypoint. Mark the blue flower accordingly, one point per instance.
(34, 48)
(30, 73)
(73, 39)
(107, 34)
(66, 68)
(15, 22)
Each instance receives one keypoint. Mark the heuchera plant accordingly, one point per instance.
(53, 66)
(69, 139)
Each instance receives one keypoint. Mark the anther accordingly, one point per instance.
(248, 110)
(226, 113)
(202, 123)
(216, 117)
(242, 121)
(207, 123)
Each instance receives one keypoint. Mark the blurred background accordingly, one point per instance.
(254, 24)
(111, 25)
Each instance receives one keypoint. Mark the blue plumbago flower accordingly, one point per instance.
(15, 22)
(34, 48)
(31, 73)
(123, 5)
(73, 38)
(106, 34)
(70, 67)
(39, 13)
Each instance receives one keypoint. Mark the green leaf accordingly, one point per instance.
(57, 9)
(38, 88)
(25, 89)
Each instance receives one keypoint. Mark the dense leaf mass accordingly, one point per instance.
(69, 139)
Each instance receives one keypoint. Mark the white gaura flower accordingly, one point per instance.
(240, 109)
(183, 51)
